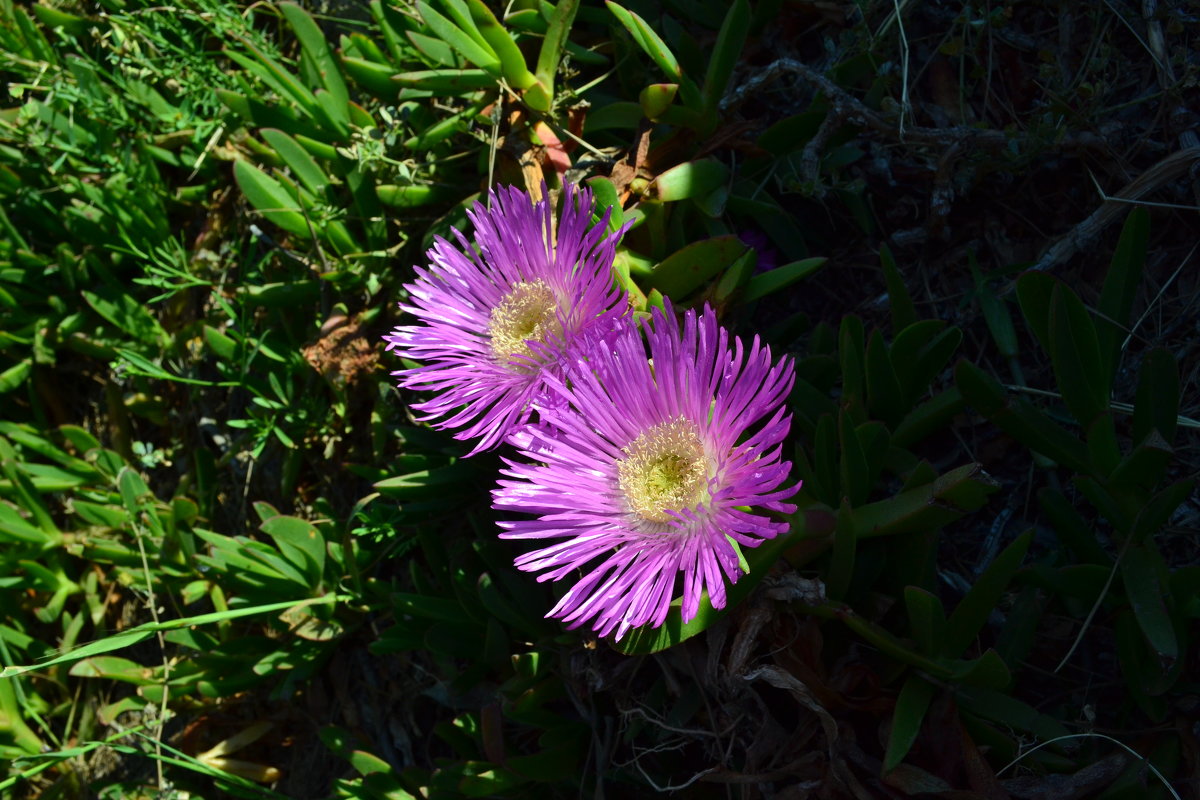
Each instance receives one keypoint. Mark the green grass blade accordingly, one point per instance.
(132, 636)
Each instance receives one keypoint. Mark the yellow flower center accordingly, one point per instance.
(664, 470)
(525, 314)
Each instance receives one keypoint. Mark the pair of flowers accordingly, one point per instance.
(638, 467)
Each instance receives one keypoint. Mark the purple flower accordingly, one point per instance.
(495, 324)
(649, 469)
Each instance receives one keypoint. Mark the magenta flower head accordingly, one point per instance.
(649, 470)
(494, 324)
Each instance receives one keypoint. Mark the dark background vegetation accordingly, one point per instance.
(232, 564)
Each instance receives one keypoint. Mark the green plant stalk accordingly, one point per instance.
(56, 758)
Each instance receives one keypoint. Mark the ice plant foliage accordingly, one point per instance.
(649, 469)
(495, 322)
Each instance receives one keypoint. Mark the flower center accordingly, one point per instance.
(525, 314)
(664, 470)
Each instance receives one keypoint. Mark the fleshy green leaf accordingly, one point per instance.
(900, 301)
(853, 352)
(15, 529)
(657, 98)
(1034, 292)
(995, 312)
(1103, 448)
(841, 560)
(512, 62)
(1081, 376)
(1007, 710)
(298, 160)
(855, 472)
(279, 79)
(300, 542)
(1019, 419)
(1120, 287)
(884, 396)
(692, 179)
(113, 668)
(684, 271)
(988, 671)
(15, 375)
(1158, 510)
(413, 196)
(606, 199)
(917, 369)
(436, 49)
(825, 459)
(1071, 528)
(932, 415)
(1144, 467)
(1143, 572)
(927, 618)
(729, 47)
(779, 278)
(270, 198)
(1156, 406)
(471, 48)
(375, 78)
(649, 41)
(972, 612)
(736, 276)
(446, 81)
(955, 494)
(551, 53)
(911, 705)
(315, 46)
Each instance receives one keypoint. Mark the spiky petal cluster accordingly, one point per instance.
(494, 324)
(648, 470)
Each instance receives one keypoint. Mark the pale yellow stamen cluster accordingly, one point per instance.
(664, 469)
(526, 313)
